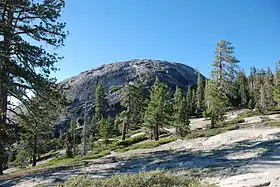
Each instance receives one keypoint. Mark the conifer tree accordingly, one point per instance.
(252, 82)
(99, 102)
(259, 93)
(221, 87)
(189, 101)
(276, 92)
(242, 86)
(25, 27)
(225, 67)
(199, 92)
(37, 119)
(132, 100)
(73, 135)
(269, 88)
(156, 114)
(181, 120)
(215, 103)
(193, 102)
(104, 130)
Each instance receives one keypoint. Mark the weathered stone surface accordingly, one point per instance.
(117, 74)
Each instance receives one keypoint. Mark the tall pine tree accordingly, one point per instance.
(157, 113)
(133, 100)
(99, 106)
(180, 113)
(26, 26)
(199, 92)
(225, 68)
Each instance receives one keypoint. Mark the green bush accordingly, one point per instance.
(22, 159)
(130, 141)
(98, 155)
(211, 132)
(142, 179)
(114, 89)
(249, 113)
(148, 144)
(231, 122)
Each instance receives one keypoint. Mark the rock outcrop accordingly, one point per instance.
(115, 75)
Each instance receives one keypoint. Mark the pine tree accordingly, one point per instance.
(242, 86)
(269, 88)
(225, 67)
(215, 103)
(252, 82)
(37, 121)
(26, 26)
(189, 101)
(132, 100)
(181, 120)
(73, 135)
(117, 124)
(104, 130)
(156, 114)
(68, 145)
(259, 93)
(276, 92)
(193, 102)
(199, 92)
(99, 103)
(221, 87)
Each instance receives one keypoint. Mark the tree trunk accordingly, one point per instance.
(156, 133)
(123, 131)
(4, 78)
(74, 142)
(212, 122)
(151, 135)
(34, 152)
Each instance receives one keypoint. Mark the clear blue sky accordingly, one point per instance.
(185, 31)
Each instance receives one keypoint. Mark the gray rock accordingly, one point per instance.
(117, 74)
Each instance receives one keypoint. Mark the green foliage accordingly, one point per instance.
(99, 103)
(215, 102)
(225, 68)
(114, 89)
(22, 158)
(211, 132)
(26, 65)
(147, 144)
(180, 113)
(104, 129)
(231, 122)
(199, 92)
(130, 141)
(96, 155)
(61, 161)
(269, 90)
(242, 89)
(73, 137)
(142, 179)
(158, 111)
(133, 100)
(37, 125)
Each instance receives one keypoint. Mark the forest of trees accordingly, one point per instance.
(25, 71)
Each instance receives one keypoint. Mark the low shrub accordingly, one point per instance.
(130, 141)
(98, 155)
(231, 122)
(142, 179)
(148, 144)
(211, 132)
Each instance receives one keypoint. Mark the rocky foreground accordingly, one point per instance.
(243, 157)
